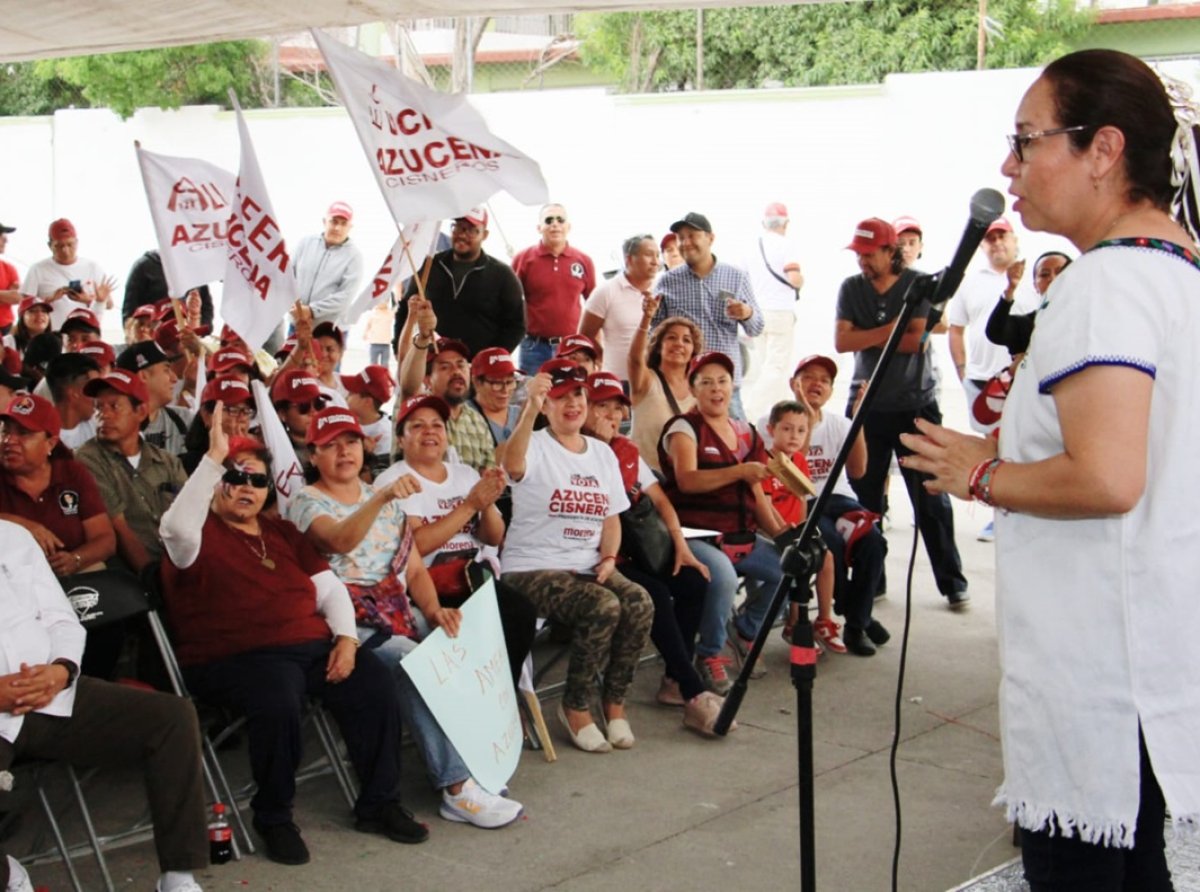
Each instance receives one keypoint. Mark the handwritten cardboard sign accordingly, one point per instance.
(466, 684)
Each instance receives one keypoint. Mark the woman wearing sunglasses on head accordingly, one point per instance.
(561, 551)
(261, 624)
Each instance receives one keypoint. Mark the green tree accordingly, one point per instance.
(23, 92)
(168, 77)
(821, 44)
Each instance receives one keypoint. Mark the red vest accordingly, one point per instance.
(728, 509)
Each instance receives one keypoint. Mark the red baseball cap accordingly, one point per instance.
(493, 362)
(285, 350)
(28, 303)
(565, 376)
(228, 334)
(146, 311)
(705, 358)
(33, 413)
(1001, 224)
(227, 389)
(121, 381)
(476, 217)
(817, 359)
(81, 318)
(62, 228)
(571, 343)
(167, 335)
(295, 386)
(101, 352)
(450, 345)
(605, 386)
(424, 401)
(872, 234)
(907, 224)
(776, 209)
(340, 209)
(230, 358)
(374, 381)
(669, 239)
(329, 423)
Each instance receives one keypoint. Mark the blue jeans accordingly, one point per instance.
(718, 600)
(380, 354)
(533, 353)
(442, 761)
(761, 566)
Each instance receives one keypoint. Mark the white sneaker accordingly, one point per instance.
(177, 882)
(475, 805)
(18, 879)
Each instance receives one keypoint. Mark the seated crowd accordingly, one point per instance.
(152, 457)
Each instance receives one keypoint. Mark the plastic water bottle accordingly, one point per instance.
(220, 837)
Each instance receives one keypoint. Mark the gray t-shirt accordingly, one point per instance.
(909, 382)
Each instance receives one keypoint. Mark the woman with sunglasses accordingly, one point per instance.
(364, 532)
(1095, 474)
(261, 624)
(561, 551)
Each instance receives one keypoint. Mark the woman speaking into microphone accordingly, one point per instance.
(1094, 479)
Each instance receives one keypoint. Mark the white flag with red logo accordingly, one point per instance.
(399, 265)
(432, 153)
(190, 205)
(286, 470)
(259, 285)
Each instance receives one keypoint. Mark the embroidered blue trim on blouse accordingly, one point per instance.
(1045, 384)
(1157, 244)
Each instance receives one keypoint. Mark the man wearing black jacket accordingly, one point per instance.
(477, 298)
(147, 284)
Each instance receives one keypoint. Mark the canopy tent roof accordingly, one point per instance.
(52, 28)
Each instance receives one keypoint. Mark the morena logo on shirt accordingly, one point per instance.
(577, 270)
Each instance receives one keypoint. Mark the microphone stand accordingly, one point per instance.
(801, 556)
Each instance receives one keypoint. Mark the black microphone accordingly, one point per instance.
(986, 207)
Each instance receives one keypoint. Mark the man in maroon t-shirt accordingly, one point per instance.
(556, 279)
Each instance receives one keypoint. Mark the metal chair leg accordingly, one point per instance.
(58, 839)
(90, 828)
(329, 743)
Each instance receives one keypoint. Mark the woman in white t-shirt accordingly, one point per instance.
(561, 551)
(1095, 479)
(455, 520)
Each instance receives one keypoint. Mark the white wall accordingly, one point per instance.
(918, 144)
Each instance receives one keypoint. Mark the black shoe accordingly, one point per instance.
(857, 643)
(878, 634)
(283, 842)
(959, 600)
(396, 823)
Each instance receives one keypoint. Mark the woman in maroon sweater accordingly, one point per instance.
(261, 625)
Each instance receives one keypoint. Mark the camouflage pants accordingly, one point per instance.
(609, 624)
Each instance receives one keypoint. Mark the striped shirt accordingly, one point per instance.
(686, 294)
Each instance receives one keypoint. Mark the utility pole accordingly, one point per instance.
(981, 40)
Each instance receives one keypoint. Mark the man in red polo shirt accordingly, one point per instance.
(10, 282)
(556, 279)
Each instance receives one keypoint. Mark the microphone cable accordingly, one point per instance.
(915, 494)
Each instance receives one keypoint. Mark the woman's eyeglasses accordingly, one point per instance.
(234, 477)
(1017, 142)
